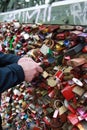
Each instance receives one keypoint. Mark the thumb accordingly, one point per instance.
(39, 63)
(39, 68)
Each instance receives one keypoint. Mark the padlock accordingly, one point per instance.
(84, 49)
(73, 118)
(77, 62)
(40, 104)
(59, 75)
(78, 90)
(67, 92)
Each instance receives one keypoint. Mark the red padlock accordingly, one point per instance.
(84, 49)
(60, 36)
(46, 120)
(73, 118)
(36, 128)
(59, 74)
(67, 92)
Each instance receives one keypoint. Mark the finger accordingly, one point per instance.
(39, 63)
(39, 69)
(37, 74)
(25, 56)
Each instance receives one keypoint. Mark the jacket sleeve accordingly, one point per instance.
(6, 59)
(10, 76)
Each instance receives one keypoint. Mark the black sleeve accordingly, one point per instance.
(6, 59)
(10, 76)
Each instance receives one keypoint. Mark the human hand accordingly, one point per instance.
(30, 67)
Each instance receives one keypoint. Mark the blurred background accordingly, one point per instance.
(9, 5)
